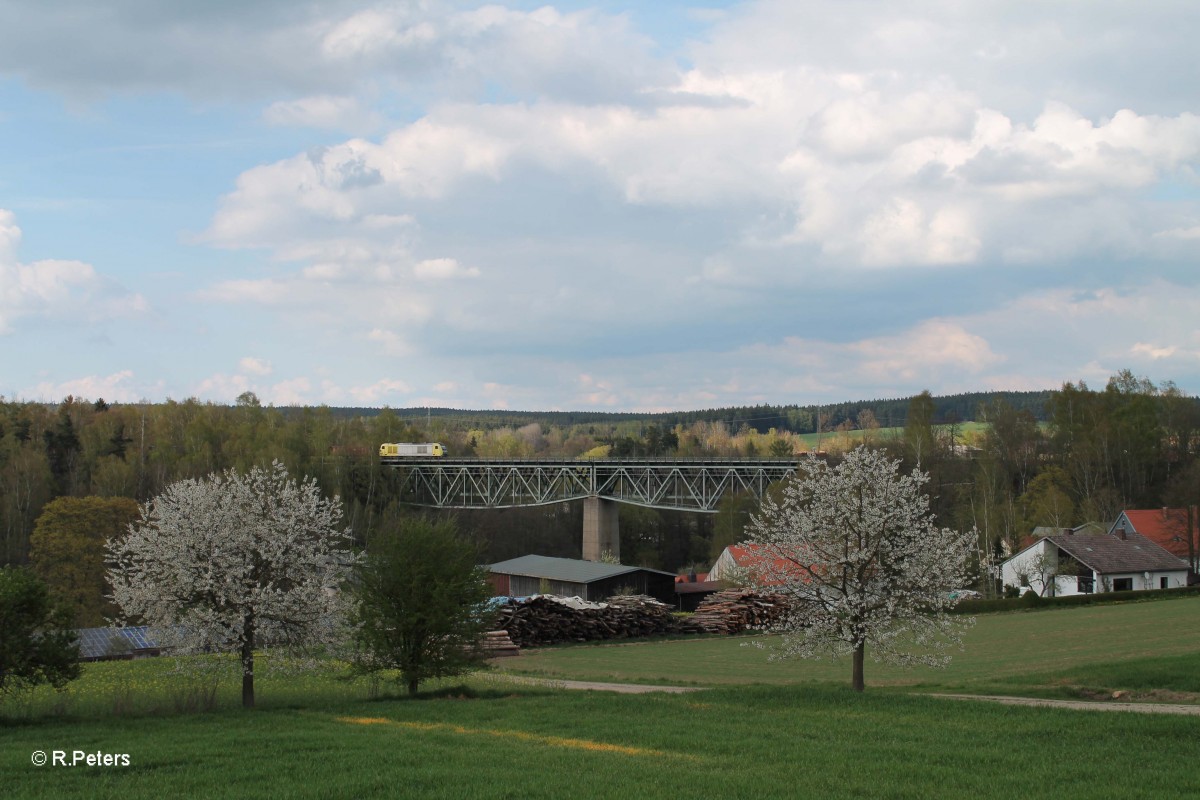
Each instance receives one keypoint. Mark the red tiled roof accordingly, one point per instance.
(759, 564)
(701, 577)
(1166, 527)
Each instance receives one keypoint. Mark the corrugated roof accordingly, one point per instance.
(1108, 554)
(565, 569)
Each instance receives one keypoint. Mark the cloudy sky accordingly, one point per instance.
(605, 205)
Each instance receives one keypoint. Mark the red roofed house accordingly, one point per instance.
(1166, 527)
(740, 563)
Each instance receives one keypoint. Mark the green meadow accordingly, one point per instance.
(764, 730)
(1024, 650)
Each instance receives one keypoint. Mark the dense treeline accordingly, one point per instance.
(1041, 458)
(761, 418)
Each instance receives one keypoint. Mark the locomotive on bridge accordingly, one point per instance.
(409, 450)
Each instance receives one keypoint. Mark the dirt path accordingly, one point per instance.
(1080, 705)
(596, 686)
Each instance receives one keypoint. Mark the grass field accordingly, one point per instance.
(1000, 650)
(767, 730)
(847, 440)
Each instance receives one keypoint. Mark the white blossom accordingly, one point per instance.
(855, 551)
(235, 561)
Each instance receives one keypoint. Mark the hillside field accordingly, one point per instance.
(767, 730)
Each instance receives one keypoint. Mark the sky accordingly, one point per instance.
(595, 206)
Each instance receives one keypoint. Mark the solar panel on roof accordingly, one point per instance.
(101, 642)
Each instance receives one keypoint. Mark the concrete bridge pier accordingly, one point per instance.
(600, 531)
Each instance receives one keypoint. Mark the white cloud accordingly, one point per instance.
(322, 111)
(293, 392)
(255, 366)
(383, 392)
(440, 269)
(114, 388)
(222, 388)
(882, 197)
(1155, 353)
(60, 289)
(392, 343)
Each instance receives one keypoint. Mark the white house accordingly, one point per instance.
(1069, 563)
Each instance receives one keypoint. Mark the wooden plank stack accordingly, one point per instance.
(497, 644)
(736, 610)
(542, 620)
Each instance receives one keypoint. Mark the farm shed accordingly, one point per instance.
(691, 593)
(1070, 563)
(569, 577)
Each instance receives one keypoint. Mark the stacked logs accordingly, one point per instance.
(497, 644)
(543, 620)
(735, 610)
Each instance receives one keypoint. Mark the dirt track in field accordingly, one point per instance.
(1080, 705)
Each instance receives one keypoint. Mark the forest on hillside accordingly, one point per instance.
(890, 413)
(1057, 458)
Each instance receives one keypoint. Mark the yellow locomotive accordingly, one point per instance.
(408, 450)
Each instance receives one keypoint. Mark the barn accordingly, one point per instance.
(569, 577)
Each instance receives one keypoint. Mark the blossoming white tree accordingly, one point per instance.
(854, 549)
(233, 562)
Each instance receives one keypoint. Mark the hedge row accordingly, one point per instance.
(1031, 600)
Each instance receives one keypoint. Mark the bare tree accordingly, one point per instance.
(856, 553)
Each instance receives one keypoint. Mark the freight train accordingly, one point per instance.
(407, 450)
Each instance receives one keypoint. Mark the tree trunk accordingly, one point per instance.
(856, 681)
(248, 663)
(412, 686)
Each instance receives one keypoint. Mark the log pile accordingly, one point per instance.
(497, 644)
(543, 620)
(735, 610)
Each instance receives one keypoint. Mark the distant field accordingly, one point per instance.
(768, 730)
(844, 440)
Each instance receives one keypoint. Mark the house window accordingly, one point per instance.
(1164, 583)
(1122, 584)
(1085, 585)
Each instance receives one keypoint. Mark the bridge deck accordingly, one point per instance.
(671, 483)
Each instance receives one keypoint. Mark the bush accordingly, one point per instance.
(36, 643)
(1031, 600)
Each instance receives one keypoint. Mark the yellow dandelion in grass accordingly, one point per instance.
(524, 736)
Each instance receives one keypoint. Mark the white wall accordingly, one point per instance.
(1066, 585)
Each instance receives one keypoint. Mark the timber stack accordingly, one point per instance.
(736, 610)
(497, 644)
(542, 620)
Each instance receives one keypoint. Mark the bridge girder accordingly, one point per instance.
(674, 484)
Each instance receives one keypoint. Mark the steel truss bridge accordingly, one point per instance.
(678, 484)
(693, 485)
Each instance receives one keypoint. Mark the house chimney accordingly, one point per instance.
(1121, 532)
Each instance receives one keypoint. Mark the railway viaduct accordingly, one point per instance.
(680, 484)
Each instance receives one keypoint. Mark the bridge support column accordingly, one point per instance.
(600, 531)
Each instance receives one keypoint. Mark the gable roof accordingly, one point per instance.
(1167, 527)
(759, 561)
(1107, 554)
(568, 570)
